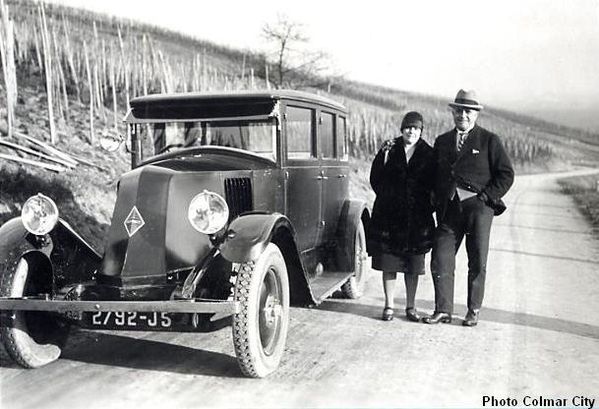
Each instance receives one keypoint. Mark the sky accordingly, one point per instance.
(522, 55)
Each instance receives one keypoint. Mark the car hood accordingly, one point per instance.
(150, 234)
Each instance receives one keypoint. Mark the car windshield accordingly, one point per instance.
(257, 136)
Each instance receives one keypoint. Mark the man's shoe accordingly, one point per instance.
(438, 317)
(387, 314)
(412, 315)
(471, 318)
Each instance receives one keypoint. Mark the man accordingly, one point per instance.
(473, 172)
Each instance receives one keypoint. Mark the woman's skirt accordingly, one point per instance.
(405, 263)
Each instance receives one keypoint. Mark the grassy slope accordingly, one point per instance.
(86, 196)
(585, 191)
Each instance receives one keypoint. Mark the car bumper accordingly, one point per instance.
(174, 306)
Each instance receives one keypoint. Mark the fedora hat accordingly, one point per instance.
(466, 99)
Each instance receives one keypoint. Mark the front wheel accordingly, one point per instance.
(31, 338)
(354, 286)
(260, 327)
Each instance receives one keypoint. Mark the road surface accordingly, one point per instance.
(538, 336)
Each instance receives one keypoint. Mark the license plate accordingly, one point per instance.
(130, 319)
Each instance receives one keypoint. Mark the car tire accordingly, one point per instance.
(354, 286)
(32, 338)
(260, 327)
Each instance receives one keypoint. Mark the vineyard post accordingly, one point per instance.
(61, 83)
(69, 53)
(112, 80)
(38, 53)
(125, 66)
(243, 69)
(103, 75)
(266, 75)
(144, 66)
(47, 70)
(8, 65)
(91, 95)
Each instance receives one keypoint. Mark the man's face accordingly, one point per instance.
(464, 118)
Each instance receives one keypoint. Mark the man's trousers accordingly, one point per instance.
(471, 218)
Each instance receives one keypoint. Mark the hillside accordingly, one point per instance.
(96, 63)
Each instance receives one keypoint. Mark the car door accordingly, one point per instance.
(334, 175)
(303, 178)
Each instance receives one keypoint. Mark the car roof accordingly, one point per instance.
(223, 96)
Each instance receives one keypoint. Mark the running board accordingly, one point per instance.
(323, 286)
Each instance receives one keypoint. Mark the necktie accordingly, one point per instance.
(461, 139)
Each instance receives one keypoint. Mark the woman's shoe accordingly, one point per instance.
(387, 314)
(412, 315)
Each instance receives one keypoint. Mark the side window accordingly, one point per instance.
(342, 150)
(326, 135)
(299, 132)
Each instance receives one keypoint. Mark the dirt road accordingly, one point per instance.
(539, 336)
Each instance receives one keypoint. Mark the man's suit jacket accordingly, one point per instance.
(481, 166)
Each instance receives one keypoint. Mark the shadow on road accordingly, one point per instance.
(135, 353)
(487, 314)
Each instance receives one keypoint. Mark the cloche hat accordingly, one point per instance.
(412, 118)
(466, 99)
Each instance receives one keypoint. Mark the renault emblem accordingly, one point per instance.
(133, 222)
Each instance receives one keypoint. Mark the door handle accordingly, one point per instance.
(321, 176)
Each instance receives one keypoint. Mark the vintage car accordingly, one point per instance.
(236, 207)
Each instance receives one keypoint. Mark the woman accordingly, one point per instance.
(401, 230)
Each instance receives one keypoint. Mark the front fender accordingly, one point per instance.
(71, 259)
(249, 234)
(16, 241)
(247, 237)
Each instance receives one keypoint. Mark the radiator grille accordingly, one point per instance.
(238, 193)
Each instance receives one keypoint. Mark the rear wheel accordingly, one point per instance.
(31, 338)
(354, 286)
(260, 328)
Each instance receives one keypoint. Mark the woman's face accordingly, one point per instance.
(411, 135)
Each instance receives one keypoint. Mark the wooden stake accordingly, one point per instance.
(48, 71)
(91, 95)
(8, 65)
(39, 155)
(70, 61)
(125, 67)
(61, 78)
(144, 66)
(53, 168)
(113, 85)
(49, 149)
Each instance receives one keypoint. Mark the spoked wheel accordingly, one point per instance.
(260, 328)
(31, 338)
(354, 286)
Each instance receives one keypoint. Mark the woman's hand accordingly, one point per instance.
(388, 144)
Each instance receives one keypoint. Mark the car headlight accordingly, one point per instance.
(208, 212)
(39, 214)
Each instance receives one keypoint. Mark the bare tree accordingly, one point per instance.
(292, 62)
